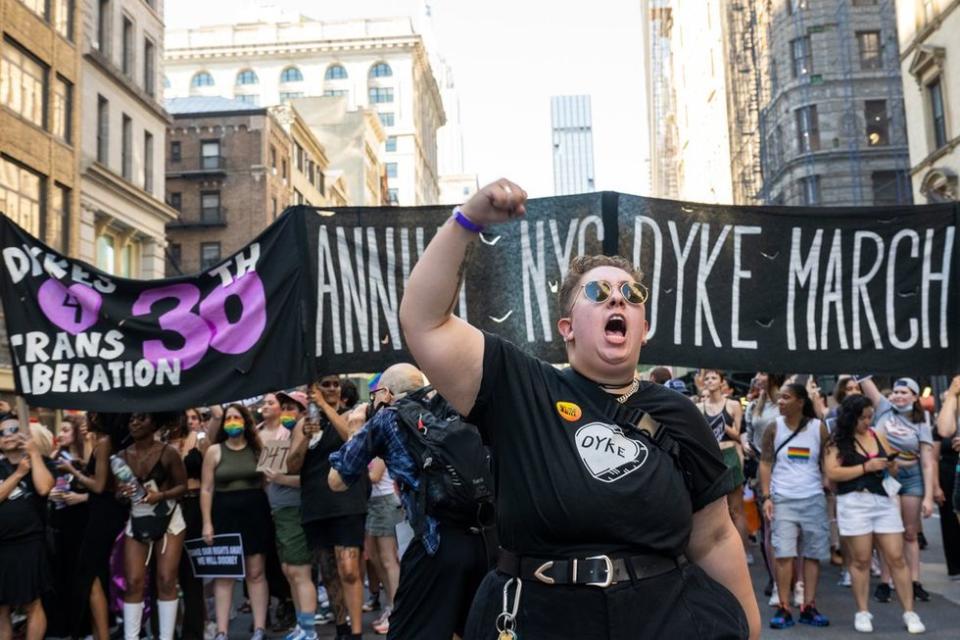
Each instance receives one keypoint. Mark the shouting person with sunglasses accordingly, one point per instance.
(611, 490)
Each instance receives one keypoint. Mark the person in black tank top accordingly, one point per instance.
(606, 485)
(160, 471)
(856, 459)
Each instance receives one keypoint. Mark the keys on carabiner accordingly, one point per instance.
(507, 635)
(507, 620)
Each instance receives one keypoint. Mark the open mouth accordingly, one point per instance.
(616, 326)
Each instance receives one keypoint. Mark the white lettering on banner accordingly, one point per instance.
(588, 221)
(563, 250)
(892, 290)
(63, 377)
(24, 260)
(383, 296)
(327, 285)
(708, 258)
(807, 274)
(534, 269)
(243, 261)
(833, 295)
(681, 256)
(859, 286)
(354, 285)
(943, 277)
(738, 275)
(638, 223)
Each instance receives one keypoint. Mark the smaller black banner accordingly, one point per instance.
(222, 559)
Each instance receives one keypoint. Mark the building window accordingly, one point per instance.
(889, 188)
(209, 255)
(210, 154)
(335, 72)
(938, 121)
(386, 119)
(175, 254)
(248, 98)
(393, 196)
(62, 109)
(929, 11)
(291, 74)
(23, 81)
(39, 7)
(126, 151)
(127, 46)
(103, 130)
(801, 56)
(379, 95)
(21, 195)
(210, 207)
(175, 151)
(247, 76)
(808, 129)
(63, 18)
(283, 167)
(871, 55)
(298, 156)
(297, 197)
(175, 200)
(149, 66)
(878, 124)
(166, 82)
(58, 224)
(148, 162)
(810, 190)
(286, 96)
(391, 169)
(273, 157)
(103, 27)
(391, 144)
(201, 79)
(106, 254)
(797, 5)
(334, 93)
(274, 201)
(381, 70)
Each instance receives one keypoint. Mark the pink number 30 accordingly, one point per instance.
(212, 327)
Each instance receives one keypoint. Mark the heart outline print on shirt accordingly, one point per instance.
(607, 453)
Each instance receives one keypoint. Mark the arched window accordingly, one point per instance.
(202, 79)
(247, 76)
(381, 70)
(291, 74)
(335, 72)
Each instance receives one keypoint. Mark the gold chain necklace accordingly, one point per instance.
(632, 390)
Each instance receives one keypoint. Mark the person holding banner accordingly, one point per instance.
(232, 501)
(25, 481)
(157, 518)
(612, 491)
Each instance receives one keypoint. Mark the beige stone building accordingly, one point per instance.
(39, 126)
(310, 163)
(228, 174)
(929, 33)
(123, 213)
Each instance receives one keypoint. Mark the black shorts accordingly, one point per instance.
(435, 592)
(343, 531)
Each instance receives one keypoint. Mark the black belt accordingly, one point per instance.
(595, 571)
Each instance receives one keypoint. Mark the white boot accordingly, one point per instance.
(167, 613)
(132, 619)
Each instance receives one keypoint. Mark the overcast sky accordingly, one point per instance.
(508, 58)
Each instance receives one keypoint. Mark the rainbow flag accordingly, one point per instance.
(798, 453)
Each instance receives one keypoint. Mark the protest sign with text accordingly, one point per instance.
(222, 559)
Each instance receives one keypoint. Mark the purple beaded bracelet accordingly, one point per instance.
(466, 222)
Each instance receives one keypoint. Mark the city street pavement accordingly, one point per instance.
(941, 615)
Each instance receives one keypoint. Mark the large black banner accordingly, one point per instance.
(81, 338)
(819, 290)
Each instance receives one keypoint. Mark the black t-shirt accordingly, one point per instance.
(22, 515)
(317, 500)
(570, 481)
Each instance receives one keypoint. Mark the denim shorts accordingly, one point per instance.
(795, 516)
(911, 481)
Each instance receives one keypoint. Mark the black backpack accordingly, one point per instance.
(456, 481)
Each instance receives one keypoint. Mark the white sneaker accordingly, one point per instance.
(798, 594)
(844, 579)
(863, 622)
(912, 622)
(774, 597)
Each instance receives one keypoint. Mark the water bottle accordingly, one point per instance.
(124, 475)
(60, 486)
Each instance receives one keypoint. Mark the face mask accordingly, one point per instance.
(903, 410)
(233, 427)
(288, 420)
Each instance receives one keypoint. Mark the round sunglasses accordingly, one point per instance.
(599, 291)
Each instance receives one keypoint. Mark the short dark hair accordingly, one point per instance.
(660, 375)
(581, 265)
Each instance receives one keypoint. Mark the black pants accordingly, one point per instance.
(949, 526)
(435, 592)
(684, 603)
(194, 607)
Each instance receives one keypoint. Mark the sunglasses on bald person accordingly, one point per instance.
(599, 291)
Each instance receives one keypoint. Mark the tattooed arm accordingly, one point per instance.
(449, 350)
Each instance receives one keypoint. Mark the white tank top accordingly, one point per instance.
(796, 471)
(384, 487)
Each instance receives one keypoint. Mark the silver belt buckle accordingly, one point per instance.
(609, 566)
(539, 575)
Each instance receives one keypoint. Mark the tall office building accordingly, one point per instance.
(572, 145)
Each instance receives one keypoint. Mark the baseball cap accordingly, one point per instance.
(676, 384)
(293, 396)
(909, 383)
